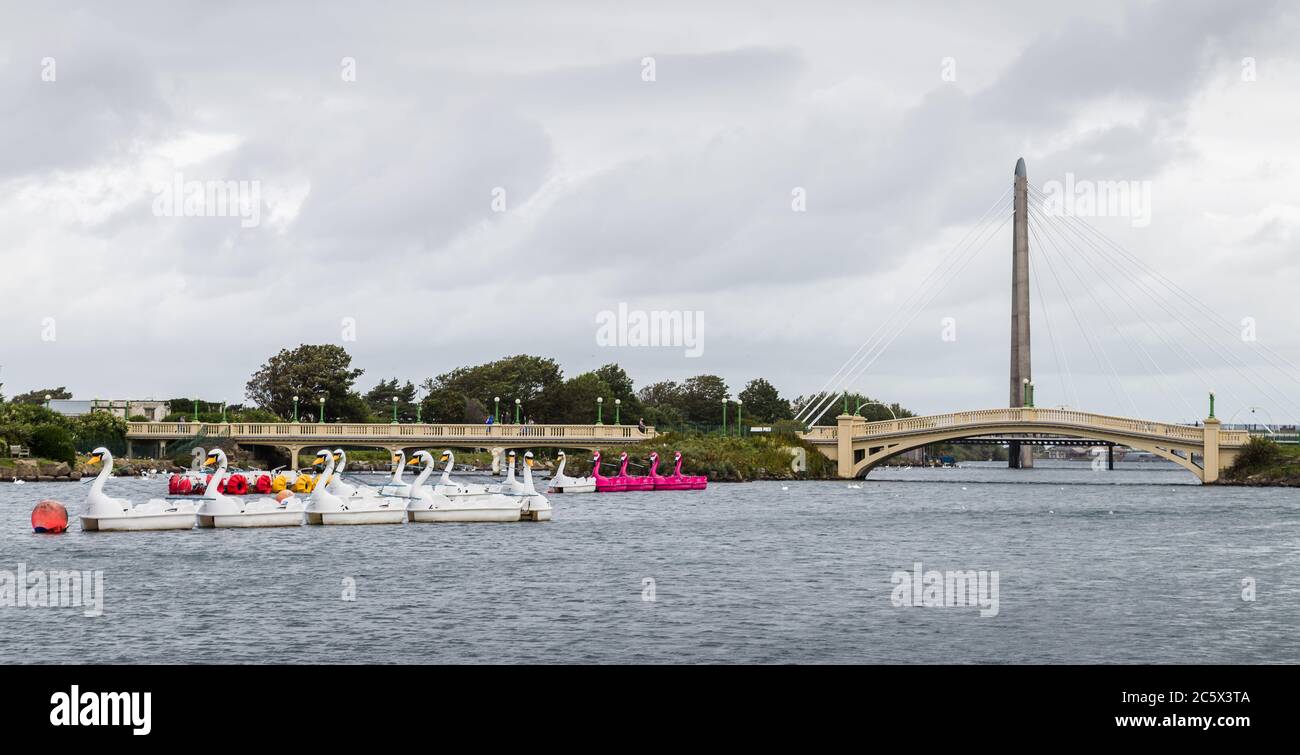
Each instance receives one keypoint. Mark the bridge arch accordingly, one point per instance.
(886, 447)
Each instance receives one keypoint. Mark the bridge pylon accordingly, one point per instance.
(1020, 457)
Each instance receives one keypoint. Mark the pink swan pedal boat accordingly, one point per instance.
(677, 480)
(606, 484)
(635, 482)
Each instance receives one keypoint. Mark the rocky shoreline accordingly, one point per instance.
(1262, 481)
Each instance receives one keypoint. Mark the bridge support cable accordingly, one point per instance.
(1200, 370)
(1109, 251)
(1117, 389)
(1068, 388)
(1101, 268)
(1275, 359)
(831, 389)
(882, 344)
(1135, 347)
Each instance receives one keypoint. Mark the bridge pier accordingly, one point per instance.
(1210, 459)
(844, 446)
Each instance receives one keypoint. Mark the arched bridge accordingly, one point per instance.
(296, 436)
(858, 445)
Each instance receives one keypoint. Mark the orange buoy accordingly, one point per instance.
(283, 494)
(49, 516)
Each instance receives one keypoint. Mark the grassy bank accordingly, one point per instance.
(756, 457)
(1264, 462)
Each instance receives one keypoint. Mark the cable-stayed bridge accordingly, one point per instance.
(1172, 321)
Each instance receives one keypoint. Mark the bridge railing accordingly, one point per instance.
(1028, 416)
(307, 431)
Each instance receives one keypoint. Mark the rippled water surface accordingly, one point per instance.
(1134, 565)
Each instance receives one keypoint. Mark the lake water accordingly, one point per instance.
(1134, 565)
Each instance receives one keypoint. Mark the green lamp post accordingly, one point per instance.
(600, 406)
(618, 404)
(517, 408)
(295, 408)
(739, 413)
(496, 410)
(321, 419)
(394, 410)
(724, 414)
(1212, 405)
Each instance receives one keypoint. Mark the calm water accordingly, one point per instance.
(1135, 565)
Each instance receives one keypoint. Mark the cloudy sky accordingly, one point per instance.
(444, 184)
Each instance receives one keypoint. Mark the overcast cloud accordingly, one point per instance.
(376, 194)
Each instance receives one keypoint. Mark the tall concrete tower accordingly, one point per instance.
(1020, 457)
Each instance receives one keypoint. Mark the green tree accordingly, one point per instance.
(309, 372)
(620, 385)
(19, 421)
(763, 403)
(38, 396)
(520, 377)
(51, 441)
(380, 400)
(701, 399)
(94, 429)
(574, 401)
(661, 405)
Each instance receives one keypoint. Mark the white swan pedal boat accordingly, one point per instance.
(350, 505)
(106, 514)
(426, 504)
(219, 510)
(562, 483)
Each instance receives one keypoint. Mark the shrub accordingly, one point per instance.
(1257, 456)
(53, 442)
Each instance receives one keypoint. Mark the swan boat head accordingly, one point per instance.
(423, 462)
(399, 465)
(216, 457)
(324, 466)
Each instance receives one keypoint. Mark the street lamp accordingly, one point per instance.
(295, 408)
(1211, 404)
(600, 405)
(618, 402)
(321, 419)
(1024, 391)
(725, 399)
(223, 412)
(48, 398)
(196, 408)
(496, 410)
(394, 410)
(739, 414)
(517, 407)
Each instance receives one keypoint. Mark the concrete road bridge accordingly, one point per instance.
(294, 437)
(857, 445)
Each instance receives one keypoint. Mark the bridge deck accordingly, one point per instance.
(1028, 419)
(382, 435)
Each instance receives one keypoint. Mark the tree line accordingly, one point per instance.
(521, 387)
